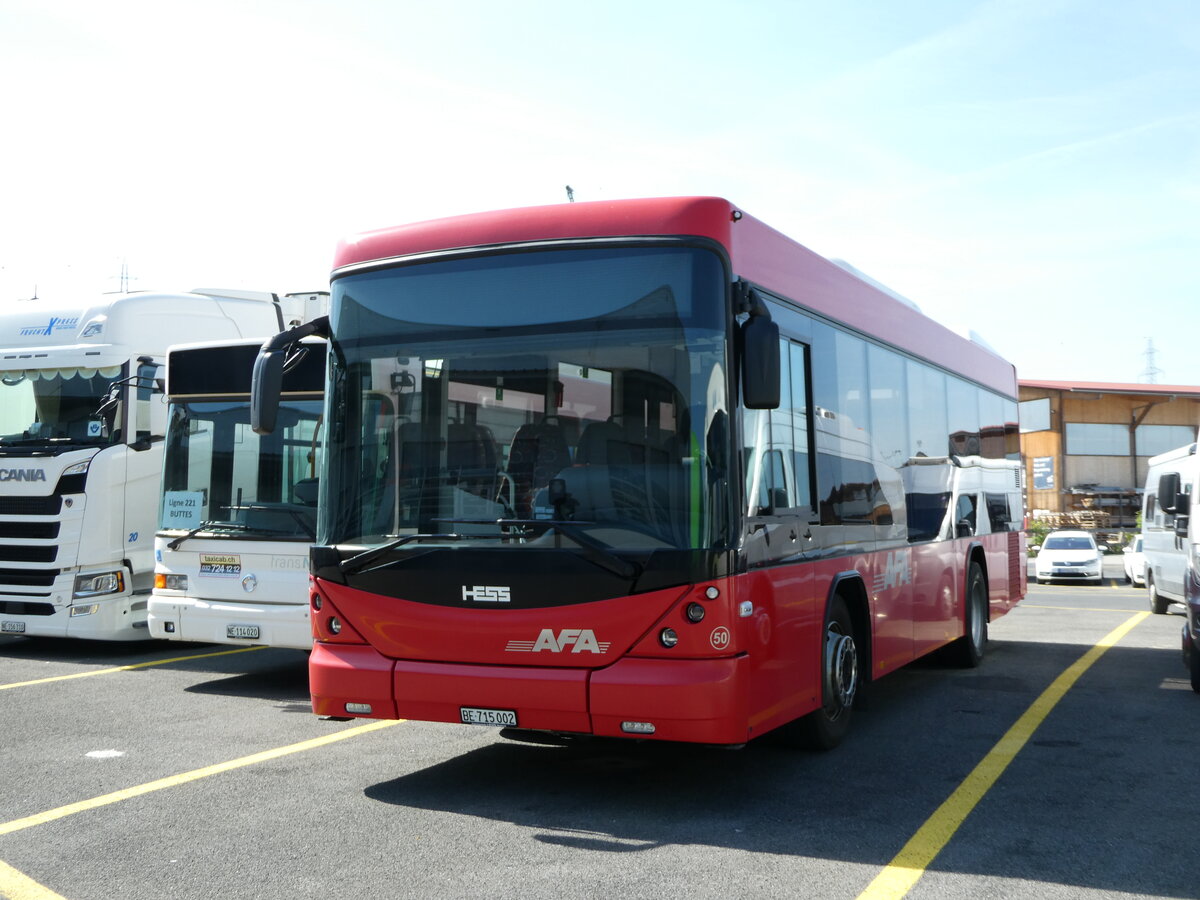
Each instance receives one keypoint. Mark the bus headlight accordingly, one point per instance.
(668, 638)
(95, 585)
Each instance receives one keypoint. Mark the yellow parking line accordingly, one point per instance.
(184, 778)
(131, 667)
(914, 857)
(15, 885)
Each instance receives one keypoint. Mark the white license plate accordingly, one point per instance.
(472, 715)
(243, 632)
(12, 627)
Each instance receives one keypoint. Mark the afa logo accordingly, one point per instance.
(896, 572)
(579, 640)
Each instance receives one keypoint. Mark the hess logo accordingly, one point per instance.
(578, 640)
(486, 593)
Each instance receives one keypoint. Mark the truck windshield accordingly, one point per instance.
(221, 477)
(56, 406)
(479, 401)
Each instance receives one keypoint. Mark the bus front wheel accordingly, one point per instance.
(824, 729)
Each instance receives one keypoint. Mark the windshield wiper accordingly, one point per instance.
(360, 560)
(593, 551)
(231, 526)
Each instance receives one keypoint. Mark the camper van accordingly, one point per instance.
(1171, 543)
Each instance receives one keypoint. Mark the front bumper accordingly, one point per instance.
(698, 701)
(175, 618)
(112, 618)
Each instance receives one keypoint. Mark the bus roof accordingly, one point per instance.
(756, 251)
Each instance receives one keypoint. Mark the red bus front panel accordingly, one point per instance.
(543, 699)
(350, 673)
(703, 701)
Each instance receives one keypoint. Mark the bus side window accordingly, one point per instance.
(779, 475)
(998, 512)
(964, 516)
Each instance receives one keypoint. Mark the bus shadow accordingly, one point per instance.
(1077, 790)
(279, 675)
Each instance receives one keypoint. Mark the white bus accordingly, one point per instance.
(82, 418)
(238, 509)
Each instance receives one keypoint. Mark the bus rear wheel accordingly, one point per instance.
(824, 729)
(968, 650)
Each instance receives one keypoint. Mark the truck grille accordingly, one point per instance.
(29, 577)
(39, 530)
(24, 553)
(24, 608)
(31, 506)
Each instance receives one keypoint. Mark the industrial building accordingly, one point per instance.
(1086, 446)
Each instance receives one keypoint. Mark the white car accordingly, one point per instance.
(1135, 562)
(1069, 555)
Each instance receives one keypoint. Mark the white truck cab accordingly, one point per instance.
(82, 419)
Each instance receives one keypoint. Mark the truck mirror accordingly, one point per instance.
(1181, 526)
(760, 363)
(1168, 490)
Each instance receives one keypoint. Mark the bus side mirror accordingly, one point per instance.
(265, 389)
(760, 363)
(269, 367)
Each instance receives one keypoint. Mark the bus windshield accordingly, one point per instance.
(56, 406)
(542, 399)
(221, 477)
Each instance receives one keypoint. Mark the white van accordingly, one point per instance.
(1171, 543)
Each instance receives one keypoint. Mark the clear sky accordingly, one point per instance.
(1029, 169)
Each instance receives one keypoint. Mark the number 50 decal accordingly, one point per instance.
(719, 638)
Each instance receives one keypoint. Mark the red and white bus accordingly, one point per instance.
(646, 469)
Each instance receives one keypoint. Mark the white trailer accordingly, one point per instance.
(238, 509)
(82, 419)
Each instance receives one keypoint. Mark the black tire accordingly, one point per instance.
(1158, 604)
(1194, 666)
(969, 649)
(825, 728)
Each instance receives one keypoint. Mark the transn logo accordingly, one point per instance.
(486, 593)
(580, 640)
(895, 573)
